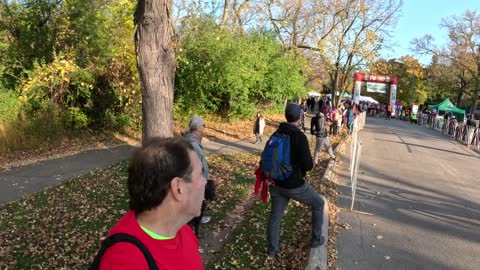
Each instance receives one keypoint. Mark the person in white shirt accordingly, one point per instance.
(258, 127)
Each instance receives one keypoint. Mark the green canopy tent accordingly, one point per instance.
(447, 106)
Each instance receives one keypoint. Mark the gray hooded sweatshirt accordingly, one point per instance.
(197, 146)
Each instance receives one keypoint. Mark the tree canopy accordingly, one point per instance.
(230, 73)
(232, 57)
(456, 65)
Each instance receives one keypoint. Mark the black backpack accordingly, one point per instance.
(122, 237)
(322, 129)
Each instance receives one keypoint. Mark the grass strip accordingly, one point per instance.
(246, 248)
(234, 176)
(62, 226)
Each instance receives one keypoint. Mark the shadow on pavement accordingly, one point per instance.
(433, 148)
(217, 146)
(402, 205)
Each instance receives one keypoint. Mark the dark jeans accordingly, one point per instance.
(280, 197)
(197, 221)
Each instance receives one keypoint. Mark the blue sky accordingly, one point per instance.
(420, 17)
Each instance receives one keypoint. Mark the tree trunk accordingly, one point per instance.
(476, 92)
(477, 85)
(463, 86)
(225, 13)
(238, 15)
(475, 100)
(156, 66)
(335, 84)
(459, 99)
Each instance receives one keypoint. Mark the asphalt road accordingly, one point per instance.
(417, 203)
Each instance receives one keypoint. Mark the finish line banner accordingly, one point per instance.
(376, 87)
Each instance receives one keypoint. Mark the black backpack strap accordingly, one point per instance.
(123, 237)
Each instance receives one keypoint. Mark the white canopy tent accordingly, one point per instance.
(364, 99)
(314, 94)
(368, 99)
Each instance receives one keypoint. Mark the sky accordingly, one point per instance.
(420, 17)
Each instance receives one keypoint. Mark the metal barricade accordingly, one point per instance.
(356, 149)
(438, 124)
(476, 138)
(422, 119)
(468, 135)
(457, 131)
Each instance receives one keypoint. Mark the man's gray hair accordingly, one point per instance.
(195, 122)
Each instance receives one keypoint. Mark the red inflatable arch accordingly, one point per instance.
(379, 82)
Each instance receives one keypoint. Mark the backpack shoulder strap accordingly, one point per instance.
(123, 237)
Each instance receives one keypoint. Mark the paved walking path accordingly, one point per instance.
(417, 204)
(21, 181)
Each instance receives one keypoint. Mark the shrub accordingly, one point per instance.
(8, 105)
(120, 121)
(231, 74)
(60, 86)
(81, 99)
(75, 118)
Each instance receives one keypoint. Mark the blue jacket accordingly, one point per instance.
(350, 114)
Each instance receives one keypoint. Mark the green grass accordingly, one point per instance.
(62, 226)
(8, 105)
(234, 173)
(246, 248)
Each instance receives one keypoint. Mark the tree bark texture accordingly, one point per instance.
(477, 85)
(156, 66)
(225, 13)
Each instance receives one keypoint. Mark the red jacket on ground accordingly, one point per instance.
(261, 183)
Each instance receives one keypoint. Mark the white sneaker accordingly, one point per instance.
(205, 219)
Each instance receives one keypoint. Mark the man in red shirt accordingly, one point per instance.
(166, 188)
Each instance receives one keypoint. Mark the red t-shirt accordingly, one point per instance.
(180, 252)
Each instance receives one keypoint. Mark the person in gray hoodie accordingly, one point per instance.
(194, 134)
